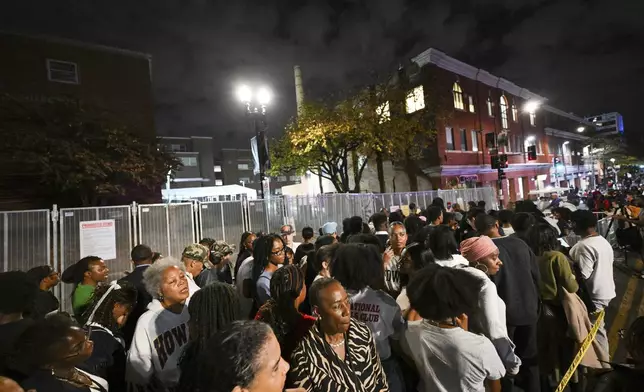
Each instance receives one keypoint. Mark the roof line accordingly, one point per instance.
(442, 60)
(66, 41)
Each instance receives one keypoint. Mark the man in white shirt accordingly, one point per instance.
(288, 234)
(194, 258)
(593, 256)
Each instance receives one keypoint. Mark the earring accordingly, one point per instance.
(161, 298)
(482, 267)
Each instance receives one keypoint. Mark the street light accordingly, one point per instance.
(256, 102)
(580, 129)
(531, 106)
(530, 138)
(612, 160)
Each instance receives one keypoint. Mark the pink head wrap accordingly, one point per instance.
(476, 248)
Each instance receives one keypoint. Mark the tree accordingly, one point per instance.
(336, 142)
(76, 154)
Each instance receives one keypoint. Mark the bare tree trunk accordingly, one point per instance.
(410, 169)
(381, 173)
(356, 171)
(320, 180)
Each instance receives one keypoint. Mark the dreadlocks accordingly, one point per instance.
(124, 294)
(280, 311)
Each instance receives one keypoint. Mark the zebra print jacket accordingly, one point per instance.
(317, 368)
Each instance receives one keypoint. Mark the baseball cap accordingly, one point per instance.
(196, 252)
(329, 228)
(222, 249)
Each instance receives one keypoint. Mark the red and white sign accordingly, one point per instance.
(98, 238)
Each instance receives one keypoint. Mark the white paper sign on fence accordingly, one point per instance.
(98, 238)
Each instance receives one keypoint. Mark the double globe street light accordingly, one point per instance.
(256, 102)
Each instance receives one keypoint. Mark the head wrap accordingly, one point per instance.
(476, 248)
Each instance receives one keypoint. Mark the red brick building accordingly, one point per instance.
(485, 107)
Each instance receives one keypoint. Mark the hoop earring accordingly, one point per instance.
(482, 267)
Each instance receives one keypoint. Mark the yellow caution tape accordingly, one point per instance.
(585, 345)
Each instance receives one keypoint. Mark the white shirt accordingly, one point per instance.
(595, 258)
(451, 359)
(455, 261)
(192, 287)
(403, 300)
(244, 273)
(508, 231)
(392, 274)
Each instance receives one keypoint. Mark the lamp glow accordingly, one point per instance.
(244, 94)
(581, 129)
(612, 160)
(264, 96)
(566, 142)
(531, 106)
(530, 138)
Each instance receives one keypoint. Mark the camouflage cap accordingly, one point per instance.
(222, 248)
(196, 252)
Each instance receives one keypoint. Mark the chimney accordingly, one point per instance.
(299, 90)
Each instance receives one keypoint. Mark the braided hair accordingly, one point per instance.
(280, 311)
(124, 294)
(212, 309)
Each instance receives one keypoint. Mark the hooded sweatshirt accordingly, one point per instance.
(159, 340)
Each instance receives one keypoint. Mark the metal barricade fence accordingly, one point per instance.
(25, 239)
(167, 228)
(602, 229)
(70, 252)
(222, 220)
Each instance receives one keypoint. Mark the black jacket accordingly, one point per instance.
(43, 380)
(142, 301)
(44, 303)
(517, 281)
(107, 360)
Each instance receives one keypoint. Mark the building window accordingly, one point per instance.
(533, 119)
(463, 140)
(188, 161)
(245, 180)
(475, 141)
(458, 96)
(449, 134)
(504, 112)
(281, 178)
(515, 112)
(415, 100)
(219, 182)
(242, 166)
(470, 100)
(217, 169)
(383, 113)
(178, 148)
(62, 71)
(294, 178)
(490, 140)
(490, 107)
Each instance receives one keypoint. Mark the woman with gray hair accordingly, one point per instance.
(161, 333)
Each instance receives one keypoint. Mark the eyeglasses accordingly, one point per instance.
(278, 252)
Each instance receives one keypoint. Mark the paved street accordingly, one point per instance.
(627, 306)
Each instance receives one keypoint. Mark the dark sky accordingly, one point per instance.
(586, 56)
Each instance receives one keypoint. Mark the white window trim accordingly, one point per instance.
(470, 101)
(503, 105)
(415, 100)
(457, 93)
(449, 138)
(475, 140)
(76, 73)
(533, 118)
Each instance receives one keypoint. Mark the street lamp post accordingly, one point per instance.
(256, 103)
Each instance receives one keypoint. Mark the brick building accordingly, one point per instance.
(484, 109)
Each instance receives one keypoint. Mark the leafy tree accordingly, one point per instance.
(75, 154)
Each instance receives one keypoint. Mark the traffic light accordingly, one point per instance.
(532, 153)
(501, 174)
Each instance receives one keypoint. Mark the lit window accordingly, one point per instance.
(470, 100)
(515, 112)
(533, 119)
(490, 107)
(242, 166)
(475, 141)
(219, 182)
(217, 169)
(449, 135)
(458, 96)
(383, 113)
(415, 100)
(62, 71)
(504, 112)
(188, 161)
(463, 140)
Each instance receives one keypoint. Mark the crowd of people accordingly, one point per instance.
(443, 299)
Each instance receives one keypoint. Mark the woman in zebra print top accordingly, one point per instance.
(338, 354)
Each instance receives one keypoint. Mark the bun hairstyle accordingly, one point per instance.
(75, 272)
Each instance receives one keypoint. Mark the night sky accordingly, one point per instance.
(586, 56)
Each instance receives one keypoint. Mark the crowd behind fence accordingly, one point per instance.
(37, 237)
